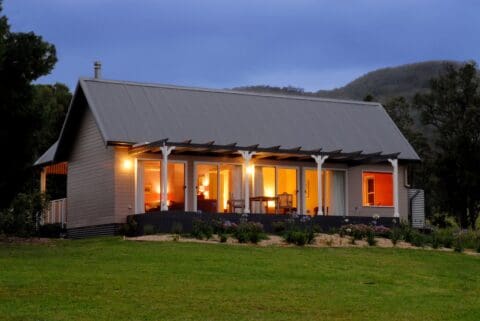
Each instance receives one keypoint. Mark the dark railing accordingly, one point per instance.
(163, 222)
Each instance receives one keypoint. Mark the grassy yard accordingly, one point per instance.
(112, 279)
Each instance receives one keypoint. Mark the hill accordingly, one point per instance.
(384, 83)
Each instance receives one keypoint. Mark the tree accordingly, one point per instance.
(452, 108)
(24, 57)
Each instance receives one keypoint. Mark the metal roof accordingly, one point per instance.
(136, 113)
(48, 156)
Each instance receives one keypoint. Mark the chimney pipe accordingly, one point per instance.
(97, 66)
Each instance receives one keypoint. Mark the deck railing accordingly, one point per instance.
(56, 212)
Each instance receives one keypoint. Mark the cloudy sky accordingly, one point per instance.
(226, 43)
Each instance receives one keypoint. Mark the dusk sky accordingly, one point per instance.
(223, 44)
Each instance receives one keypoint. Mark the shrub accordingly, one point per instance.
(435, 240)
(51, 230)
(223, 237)
(299, 236)
(202, 230)
(177, 228)
(408, 234)
(445, 237)
(130, 227)
(458, 245)
(24, 214)
(296, 237)
(279, 227)
(249, 232)
(395, 235)
(371, 237)
(149, 229)
(469, 238)
(417, 238)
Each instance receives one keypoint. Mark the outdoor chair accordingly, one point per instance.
(285, 203)
(233, 205)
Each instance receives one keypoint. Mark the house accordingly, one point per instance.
(131, 148)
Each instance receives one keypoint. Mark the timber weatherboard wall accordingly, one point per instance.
(124, 185)
(90, 182)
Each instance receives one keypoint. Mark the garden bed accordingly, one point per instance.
(321, 241)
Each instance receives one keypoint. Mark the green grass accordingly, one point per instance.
(112, 279)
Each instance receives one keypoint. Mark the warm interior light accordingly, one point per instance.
(127, 164)
(250, 169)
(157, 189)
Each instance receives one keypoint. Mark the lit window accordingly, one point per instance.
(377, 189)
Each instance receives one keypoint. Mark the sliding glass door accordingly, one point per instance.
(274, 190)
(218, 187)
(333, 192)
(149, 186)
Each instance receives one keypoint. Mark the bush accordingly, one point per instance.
(296, 237)
(223, 238)
(435, 241)
(149, 229)
(130, 227)
(177, 228)
(395, 235)
(51, 230)
(371, 237)
(279, 227)
(202, 230)
(445, 237)
(249, 232)
(299, 236)
(24, 214)
(418, 239)
(458, 245)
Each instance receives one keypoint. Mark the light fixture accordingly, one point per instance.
(127, 164)
(250, 170)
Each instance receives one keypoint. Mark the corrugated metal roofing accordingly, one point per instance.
(135, 113)
(48, 156)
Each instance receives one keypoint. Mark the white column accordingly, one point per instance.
(43, 180)
(394, 163)
(166, 150)
(247, 156)
(320, 160)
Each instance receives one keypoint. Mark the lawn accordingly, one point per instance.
(112, 279)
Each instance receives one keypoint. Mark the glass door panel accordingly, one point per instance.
(176, 187)
(207, 188)
(151, 186)
(287, 190)
(230, 188)
(264, 186)
(311, 192)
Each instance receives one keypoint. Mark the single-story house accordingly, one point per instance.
(133, 148)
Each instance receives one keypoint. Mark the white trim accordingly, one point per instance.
(394, 163)
(247, 157)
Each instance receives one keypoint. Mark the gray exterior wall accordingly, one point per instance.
(124, 185)
(90, 181)
(355, 192)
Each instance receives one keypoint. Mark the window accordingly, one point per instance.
(377, 189)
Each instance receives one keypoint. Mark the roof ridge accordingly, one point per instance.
(235, 92)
